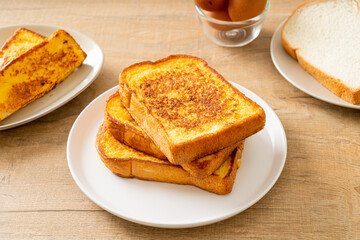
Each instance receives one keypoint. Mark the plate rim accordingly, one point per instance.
(274, 58)
(180, 225)
(97, 69)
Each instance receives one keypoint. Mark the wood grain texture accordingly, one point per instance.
(316, 197)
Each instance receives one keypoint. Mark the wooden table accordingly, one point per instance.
(316, 197)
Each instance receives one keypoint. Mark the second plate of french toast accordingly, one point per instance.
(176, 145)
(42, 68)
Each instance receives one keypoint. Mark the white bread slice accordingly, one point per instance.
(324, 36)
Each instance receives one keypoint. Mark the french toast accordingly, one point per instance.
(22, 40)
(127, 162)
(187, 108)
(125, 129)
(37, 71)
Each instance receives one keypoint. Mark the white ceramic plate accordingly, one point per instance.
(171, 205)
(290, 69)
(73, 85)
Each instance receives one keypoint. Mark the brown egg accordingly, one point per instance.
(211, 5)
(240, 10)
(220, 15)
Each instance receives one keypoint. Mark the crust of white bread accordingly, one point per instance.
(139, 165)
(333, 84)
(200, 146)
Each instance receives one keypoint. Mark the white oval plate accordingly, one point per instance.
(170, 205)
(291, 70)
(72, 86)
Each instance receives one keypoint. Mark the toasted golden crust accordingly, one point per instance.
(205, 166)
(37, 71)
(124, 128)
(187, 108)
(22, 40)
(333, 84)
(127, 162)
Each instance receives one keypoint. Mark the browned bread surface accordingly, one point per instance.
(37, 71)
(22, 40)
(125, 129)
(187, 108)
(127, 162)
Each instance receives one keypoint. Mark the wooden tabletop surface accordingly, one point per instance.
(316, 197)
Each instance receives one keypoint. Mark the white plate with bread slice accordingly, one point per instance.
(291, 70)
(72, 86)
(170, 205)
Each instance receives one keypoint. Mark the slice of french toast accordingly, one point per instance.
(125, 129)
(127, 162)
(22, 40)
(187, 108)
(37, 71)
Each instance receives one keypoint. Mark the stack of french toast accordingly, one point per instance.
(177, 120)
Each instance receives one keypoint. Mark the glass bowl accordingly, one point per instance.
(232, 34)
